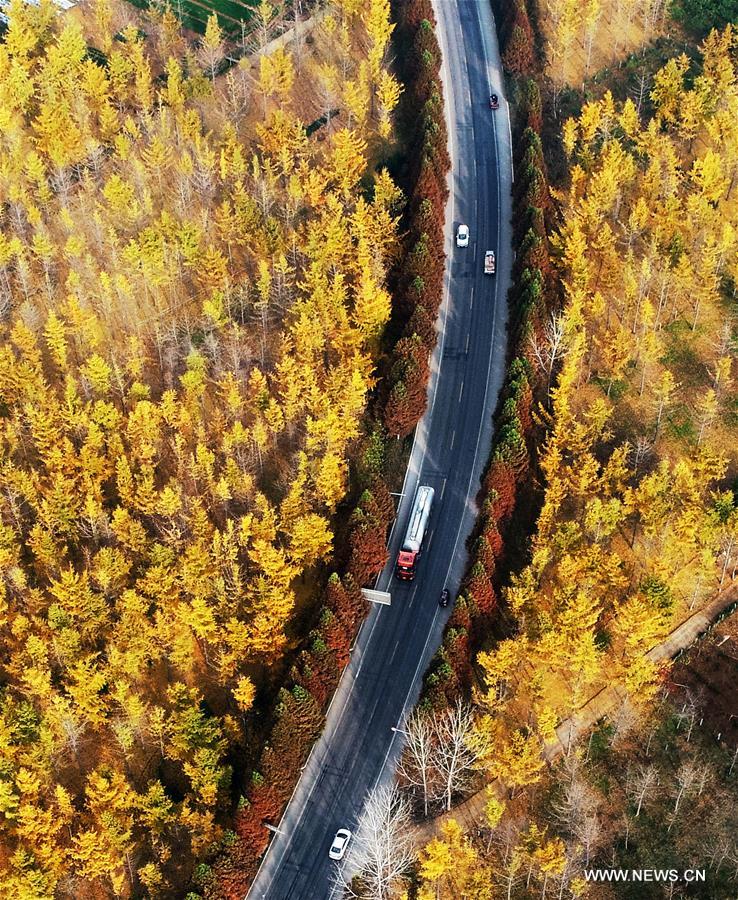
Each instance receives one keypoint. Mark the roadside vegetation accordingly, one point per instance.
(617, 431)
(193, 297)
(645, 790)
(661, 795)
(639, 516)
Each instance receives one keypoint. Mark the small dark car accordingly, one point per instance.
(494, 102)
(443, 601)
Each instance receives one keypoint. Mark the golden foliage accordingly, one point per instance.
(194, 302)
(638, 524)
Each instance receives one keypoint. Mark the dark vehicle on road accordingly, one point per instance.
(494, 102)
(445, 595)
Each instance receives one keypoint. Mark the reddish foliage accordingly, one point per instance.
(383, 501)
(406, 405)
(425, 57)
(435, 146)
(264, 804)
(344, 598)
(535, 255)
(368, 554)
(423, 325)
(233, 871)
(318, 674)
(233, 876)
(458, 652)
(408, 396)
(368, 538)
(347, 602)
(519, 57)
(338, 643)
(484, 555)
(414, 11)
(421, 272)
(480, 591)
(493, 538)
(460, 617)
(430, 186)
(426, 218)
(333, 634)
(500, 479)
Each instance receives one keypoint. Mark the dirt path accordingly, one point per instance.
(470, 813)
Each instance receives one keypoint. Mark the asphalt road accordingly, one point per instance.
(358, 747)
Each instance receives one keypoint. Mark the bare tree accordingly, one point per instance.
(382, 849)
(652, 15)
(576, 808)
(416, 764)
(688, 713)
(642, 449)
(642, 785)
(456, 755)
(262, 25)
(576, 802)
(687, 777)
(732, 762)
(549, 347)
(641, 89)
(587, 832)
(238, 92)
(624, 720)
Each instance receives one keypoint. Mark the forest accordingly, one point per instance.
(193, 294)
(638, 521)
(616, 436)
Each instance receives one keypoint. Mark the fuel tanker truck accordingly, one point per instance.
(416, 531)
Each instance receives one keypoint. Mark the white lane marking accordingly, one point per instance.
(412, 685)
(509, 137)
(461, 391)
(484, 403)
(494, 328)
(450, 208)
(466, 346)
(481, 423)
(453, 441)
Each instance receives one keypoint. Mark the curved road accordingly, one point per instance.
(358, 746)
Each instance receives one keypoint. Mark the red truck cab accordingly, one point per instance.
(406, 565)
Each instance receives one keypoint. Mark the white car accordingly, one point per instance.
(340, 842)
(462, 236)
